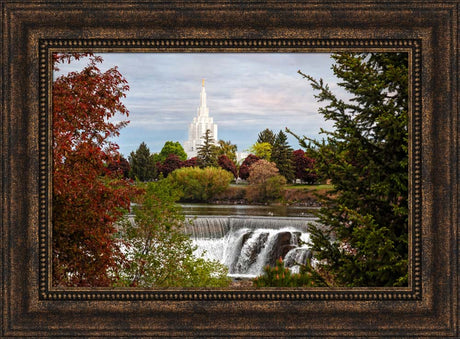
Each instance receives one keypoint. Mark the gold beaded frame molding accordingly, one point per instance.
(33, 30)
(412, 47)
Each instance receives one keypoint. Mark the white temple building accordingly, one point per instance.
(197, 129)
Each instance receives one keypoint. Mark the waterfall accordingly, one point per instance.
(247, 244)
(209, 227)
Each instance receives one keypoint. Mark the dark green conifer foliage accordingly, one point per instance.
(142, 164)
(266, 135)
(366, 159)
(282, 156)
(207, 153)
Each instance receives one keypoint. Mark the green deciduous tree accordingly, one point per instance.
(158, 252)
(282, 156)
(263, 150)
(171, 147)
(207, 152)
(365, 241)
(142, 164)
(228, 149)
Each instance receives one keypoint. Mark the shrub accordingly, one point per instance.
(200, 184)
(280, 276)
(265, 182)
(261, 170)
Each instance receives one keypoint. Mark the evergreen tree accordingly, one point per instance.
(268, 136)
(282, 156)
(142, 164)
(364, 241)
(207, 153)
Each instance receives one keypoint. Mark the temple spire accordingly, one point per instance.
(203, 110)
(200, 124)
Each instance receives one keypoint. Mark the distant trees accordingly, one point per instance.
(142, 164)
(146, 166)
(207, 152)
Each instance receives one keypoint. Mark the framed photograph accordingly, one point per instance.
(312, 149)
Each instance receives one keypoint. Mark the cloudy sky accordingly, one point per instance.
(246, 93)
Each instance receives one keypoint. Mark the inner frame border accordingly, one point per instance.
(411, 46)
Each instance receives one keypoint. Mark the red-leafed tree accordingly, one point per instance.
(304, 167)
(192, 162)
(171, 163)
(119, 165)
(244, 168)
(226, 164)
(88, 198)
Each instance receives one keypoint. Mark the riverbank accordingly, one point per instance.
(293, 195)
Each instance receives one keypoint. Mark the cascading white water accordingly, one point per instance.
(250, 243)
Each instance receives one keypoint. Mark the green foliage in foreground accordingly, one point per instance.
(159, 254)
(200, 184)
(280, 276)
(365, 241)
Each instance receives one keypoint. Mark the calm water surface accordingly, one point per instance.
(250, 210)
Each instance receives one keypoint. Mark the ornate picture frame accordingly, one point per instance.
(33, 30)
